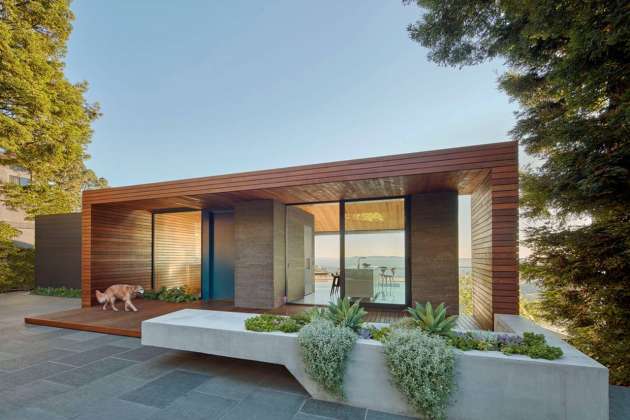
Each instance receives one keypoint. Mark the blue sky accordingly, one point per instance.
(200, 88)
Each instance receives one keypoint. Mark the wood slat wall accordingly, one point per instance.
(495, 245)
(177, 250)
(116, 249)
(439, 161)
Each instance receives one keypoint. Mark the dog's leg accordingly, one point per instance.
(133, 308)
(112, 303)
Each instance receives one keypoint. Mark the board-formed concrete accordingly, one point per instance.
(490, 385)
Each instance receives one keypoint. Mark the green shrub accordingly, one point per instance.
(433, 321)
(57, 291)
(345, 313)
(325, 348)
(174, 294)
(422, 368)
(17, 267)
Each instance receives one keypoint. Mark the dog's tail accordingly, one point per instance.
(101, 297)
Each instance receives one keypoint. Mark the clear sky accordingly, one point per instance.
(199, 88)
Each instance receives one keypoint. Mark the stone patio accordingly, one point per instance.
(48, 373)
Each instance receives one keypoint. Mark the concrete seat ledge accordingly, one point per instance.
(489, 385)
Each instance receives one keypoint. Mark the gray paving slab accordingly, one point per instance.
(157, 366)
(89, 356)
(378, 415)
(74, 402)
(162, 391)
(266, 405)
(333, 410)
(303, 416)
(91, 372)
(196, 406)
(30, 374)
(24, 395)
(142, 354)
(619, 403)
(131, 342)
(227, 387)
(117, 409)
(30, 413)
(31, 359)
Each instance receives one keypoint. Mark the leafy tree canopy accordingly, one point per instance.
(44, 119)
(569, 70)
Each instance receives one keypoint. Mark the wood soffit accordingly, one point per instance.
(459, 169)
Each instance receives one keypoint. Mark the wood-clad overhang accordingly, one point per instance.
(460, 169)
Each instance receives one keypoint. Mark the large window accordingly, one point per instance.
(374, 251)
(373, 234)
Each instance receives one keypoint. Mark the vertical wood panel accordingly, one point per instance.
(177, 250)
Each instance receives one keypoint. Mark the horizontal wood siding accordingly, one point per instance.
(119, 251)
(177, 250)
(505, 290)
(481, 242)
(495, 245)
(447, 160)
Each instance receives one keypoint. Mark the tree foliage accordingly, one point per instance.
(44, 119)
(569, 70)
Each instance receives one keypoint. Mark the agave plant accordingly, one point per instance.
(433, 321)
(345, 313)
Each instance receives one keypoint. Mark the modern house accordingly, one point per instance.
(383, 229)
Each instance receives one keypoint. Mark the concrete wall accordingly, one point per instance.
(58, 251)
(259, 267)
(16, 218)
(489, 384)
(434, 249)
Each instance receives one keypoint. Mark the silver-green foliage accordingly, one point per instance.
(422, 368)
(325, 349)
(345, 313)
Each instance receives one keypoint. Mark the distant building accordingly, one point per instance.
(17, 218)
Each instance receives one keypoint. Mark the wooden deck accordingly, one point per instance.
(128, 323)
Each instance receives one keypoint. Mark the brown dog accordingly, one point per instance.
(124, 292)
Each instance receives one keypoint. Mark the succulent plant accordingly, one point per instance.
(345, 313)
(433, 321)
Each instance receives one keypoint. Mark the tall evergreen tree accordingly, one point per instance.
(44, 119)
(569, 70)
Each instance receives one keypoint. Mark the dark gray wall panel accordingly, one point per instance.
(58, 250)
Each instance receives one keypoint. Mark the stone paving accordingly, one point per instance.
(49, 373)
(54, 374)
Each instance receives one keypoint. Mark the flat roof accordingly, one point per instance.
(459, 169)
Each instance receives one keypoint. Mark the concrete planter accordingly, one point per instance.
(490, 385)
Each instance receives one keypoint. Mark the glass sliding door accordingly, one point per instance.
(312, 253)
(375, 251)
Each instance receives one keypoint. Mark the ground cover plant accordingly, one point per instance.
(532, 345)
(174, 294)
(421, 366)
(57, 291)
(270, 322)
(325, 349)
